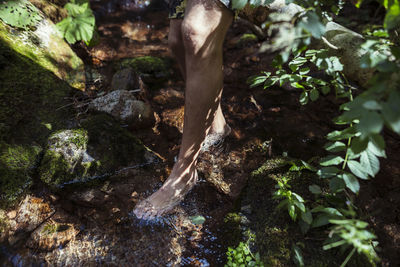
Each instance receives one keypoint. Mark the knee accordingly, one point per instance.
(196, 39)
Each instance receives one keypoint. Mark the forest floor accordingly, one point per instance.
(257, 117)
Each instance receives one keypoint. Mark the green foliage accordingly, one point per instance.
(19, 13)
(241, 256)
(354, 151)
(80, 23)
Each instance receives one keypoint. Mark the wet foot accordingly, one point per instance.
(167, 197)
(215, 138)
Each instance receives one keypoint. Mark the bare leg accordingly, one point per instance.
(219, 127)
(203, 31)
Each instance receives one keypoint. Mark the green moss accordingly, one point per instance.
(271, 165)
(16, 166)
(146, 64)
(246, 38)
(54, 169)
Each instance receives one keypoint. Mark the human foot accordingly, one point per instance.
(164, 199)
(215, 138)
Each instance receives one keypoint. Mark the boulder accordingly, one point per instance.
(66, 159)
(100, 148)
(123, 105)
(125, 79)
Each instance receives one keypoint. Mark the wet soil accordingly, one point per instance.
(106, 231)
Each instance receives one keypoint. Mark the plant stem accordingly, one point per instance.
(348, 257)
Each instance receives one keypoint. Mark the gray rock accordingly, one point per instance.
(125, 79)
(349, 51)
(66, 159)
(122, 105)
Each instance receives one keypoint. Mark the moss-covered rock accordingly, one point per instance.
(100, 147)
(46, 48)
(16, 165)
(66, 159)
(114, 146)
(151, 69)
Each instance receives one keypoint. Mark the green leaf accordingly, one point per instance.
(300, 206)
(292, 212)
(307, 217)
(392, 18)
(370, 163)
(377, 145)
(257, 80)
(358, 170)
(78, 27)
(336, 184)
(315, 189)
(304, 71)
(19, 13)
(297, 256)
(391, 111)
(304, 98)
(320, 220)
(328, 172)
(331, 160)
(312, 24)
(197, 219)
(358, 145)
(331, 211)
(335, 147)
(325, 90)
(351, 182)
(339, 135)
(370, 123)
(314, 94)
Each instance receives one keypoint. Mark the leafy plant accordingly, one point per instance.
(355, 150)
(80, 23)
(294, 203)
(19, 13)
(241, 256)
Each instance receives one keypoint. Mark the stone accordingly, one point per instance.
(66, 159)
(123, 105)
(51, 235)
(54, 233)
(31, 213)
(349, 51)
(125, 79)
